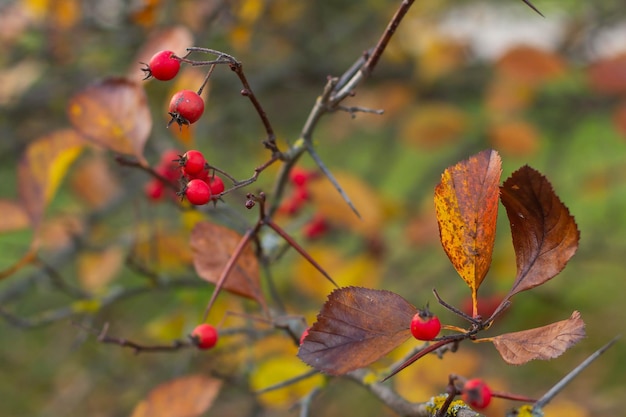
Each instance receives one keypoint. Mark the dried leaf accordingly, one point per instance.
(545, 235)
(543, 343)
(113, 113)
(93, 182)
(212, 246)
(189, 396)
(356, 327)
(466, 202)
(42, 168)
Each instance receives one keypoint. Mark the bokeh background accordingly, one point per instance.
(459, 77)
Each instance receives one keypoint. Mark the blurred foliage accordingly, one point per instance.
(459, 77)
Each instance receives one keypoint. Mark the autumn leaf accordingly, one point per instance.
(356, 327)
(530, 64)
(212, 246)
(608, 75)
(466, 203)
(13, 217)
(188, 396)
(42, 168)
(545, 235)
(543, 343)
(113, 113)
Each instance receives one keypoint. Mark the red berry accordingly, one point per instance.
(154, 189)
(424, 325)
(317, 227)
(305, 333)
(193, 163)
(216, 185)
(197, 192)
(476, 393)
(186, 107)
(205, 336)
(163, 66)
(299, 176)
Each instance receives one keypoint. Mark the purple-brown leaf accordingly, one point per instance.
(545, 235)
(356, 327)
(545, 342)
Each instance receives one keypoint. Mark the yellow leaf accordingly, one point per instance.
(434, 125)
(86, 306)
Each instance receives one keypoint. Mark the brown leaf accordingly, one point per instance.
(543, 343)
(12, 216)
(113, 113)
(356, 327)
(530, 64)
(466, 202)
(514, 137)
(189, 396)
(545, 235)
(42, 168)
(93, 181)
(212, 246)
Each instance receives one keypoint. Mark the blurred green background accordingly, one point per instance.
(459, 77)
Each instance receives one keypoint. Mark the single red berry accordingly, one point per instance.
(317, 227)
(186, 107)
(205, 336)
(305, 333)
(299, 176)
(216, 185)
(425, 325)
(163, 65)
(193, 163)
(154, 189)
(197, 192)
(476, 393)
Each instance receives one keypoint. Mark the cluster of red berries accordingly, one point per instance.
(425, 325)
(186, 106)
(204, 336)
(201, 186)
(300, 178)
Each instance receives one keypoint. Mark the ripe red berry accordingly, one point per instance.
(205, 336)
(193, 163)
(154, 189)
(476, 393)
(163, 65)
(197, 192)
(299, 176)
(186, 107)
(317, 227)
(216, 185)
(425, 325)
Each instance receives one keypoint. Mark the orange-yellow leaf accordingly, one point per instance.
(188, 396)
(434, 125)
(514, 137)
(530, 64)
(113, 113)
(545, 235)
(356, 327)
(42, 168)
(212, 246)
(97, 269)
(466, 202)
(543, 343)
(92, 181)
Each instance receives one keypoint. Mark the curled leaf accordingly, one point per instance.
(543, 343)
(42, 168)
(212, 246)
(545, 235)
(356, 327)
(188, 396)
(113, 113)
(466, 201)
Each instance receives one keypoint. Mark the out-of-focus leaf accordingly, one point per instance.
(514, 137)
(329, 204)
(545, 342)
(93, 182)
(608, 76)
(18, 78)
(42, 168)
(97, 269)
(619, 118)
(147, 14)
(212, 246)
(176, 39)
(466, 202)
(113, 113)
(545, 235)
(13, 217)
(188, 396)
(440, 55)
(163, 250)
(356, 327)
(433, 125)
(530, 64)
(506, 95)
